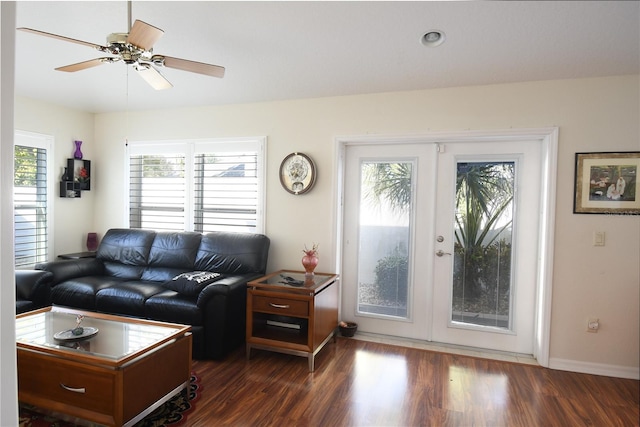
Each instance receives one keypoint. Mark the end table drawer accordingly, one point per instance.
(284, 306)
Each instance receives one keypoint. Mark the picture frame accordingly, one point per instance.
(607, 183)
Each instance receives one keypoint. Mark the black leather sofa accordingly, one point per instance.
(133, 275)
(33, 290)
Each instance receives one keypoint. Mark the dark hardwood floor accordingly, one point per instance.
(358, 383)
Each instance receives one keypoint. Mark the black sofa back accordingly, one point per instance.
(137, 254)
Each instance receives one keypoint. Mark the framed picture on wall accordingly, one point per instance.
(607, 183)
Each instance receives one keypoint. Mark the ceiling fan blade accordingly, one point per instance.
(63, 38)
(192, 66)
(153, 77)
(144, 35)
(86, 64)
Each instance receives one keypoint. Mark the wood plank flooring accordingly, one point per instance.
(359, 383)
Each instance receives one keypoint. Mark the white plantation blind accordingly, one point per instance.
(30, 205)
(157, 191)
(226, 192)
(199, 186)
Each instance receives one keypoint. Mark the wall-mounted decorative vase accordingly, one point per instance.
(78, 154)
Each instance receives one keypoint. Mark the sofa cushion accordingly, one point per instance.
(230, 252)
(174, 249)
(126, 246)
(81, 292)
(170, 306)
(192, 283)
(123, 271)
(161, 274)
(126, 298)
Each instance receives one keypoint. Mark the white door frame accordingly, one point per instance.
(548, 138)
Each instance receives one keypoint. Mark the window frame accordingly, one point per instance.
(46, 142)
(191, 148)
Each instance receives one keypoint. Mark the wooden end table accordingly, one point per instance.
(290, 312)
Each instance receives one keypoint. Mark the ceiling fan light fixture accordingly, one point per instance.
(152, 76)
(432, 38)
(141, 66)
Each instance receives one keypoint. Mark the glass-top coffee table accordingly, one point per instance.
(114, 373)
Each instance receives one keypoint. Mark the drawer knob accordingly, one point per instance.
(75, 390)
(279, 305)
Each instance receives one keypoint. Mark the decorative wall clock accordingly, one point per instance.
(297, 173)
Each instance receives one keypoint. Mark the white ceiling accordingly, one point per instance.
(288, 50)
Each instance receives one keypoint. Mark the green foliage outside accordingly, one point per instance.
(25, 166)
(392, 278)
(482, 261)
(482, 278)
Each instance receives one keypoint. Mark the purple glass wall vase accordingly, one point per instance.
(78, 154)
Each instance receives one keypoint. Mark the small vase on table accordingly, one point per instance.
(310, 260)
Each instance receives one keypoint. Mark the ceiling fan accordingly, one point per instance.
(136, 48)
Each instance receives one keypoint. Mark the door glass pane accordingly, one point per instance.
(384, 230)
(483, 243)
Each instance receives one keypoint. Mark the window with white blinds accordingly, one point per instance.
(157, 191)
(30, 200)
(202, 186)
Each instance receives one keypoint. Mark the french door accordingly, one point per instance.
(387, 264)
(440, 241)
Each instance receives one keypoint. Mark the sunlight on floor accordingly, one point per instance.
(380, 386)
(485, 388)
(447, 348)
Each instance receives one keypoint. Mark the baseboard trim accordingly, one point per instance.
(616, 371)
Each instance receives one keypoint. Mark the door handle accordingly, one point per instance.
(440, 252)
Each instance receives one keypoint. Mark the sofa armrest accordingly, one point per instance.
(71, 269)
(224, 303)
(224, 286)
(35, 286)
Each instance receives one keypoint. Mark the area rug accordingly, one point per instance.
(173, 413)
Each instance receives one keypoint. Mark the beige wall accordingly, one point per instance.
(599, 114)
(72, 218)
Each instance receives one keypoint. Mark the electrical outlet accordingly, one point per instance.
(593, 325)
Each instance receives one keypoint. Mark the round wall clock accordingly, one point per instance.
(297, 173)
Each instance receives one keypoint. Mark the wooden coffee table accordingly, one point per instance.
(115, 378)
(295, 317)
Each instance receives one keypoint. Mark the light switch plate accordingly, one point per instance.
(598, 238)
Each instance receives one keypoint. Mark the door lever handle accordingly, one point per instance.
(440, 252)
